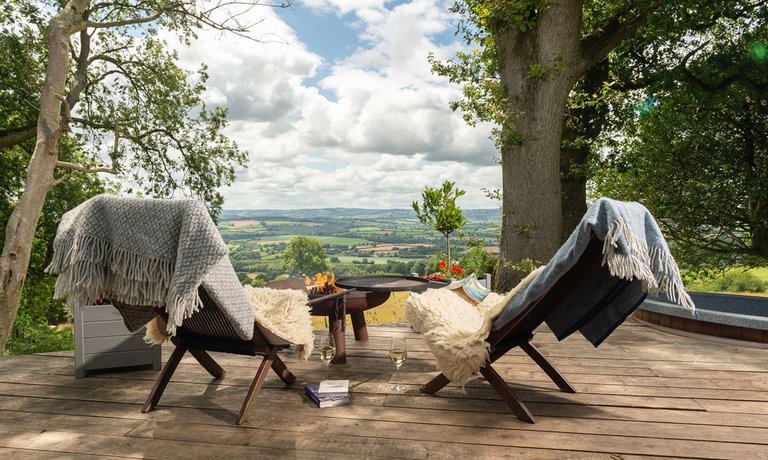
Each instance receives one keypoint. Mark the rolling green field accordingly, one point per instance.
(358, 241)
(324, 240)
(381, 260)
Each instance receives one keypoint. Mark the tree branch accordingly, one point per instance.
(127, 22)
(16, 136)
(81, 72)
(612, 32)
(688, 76)
(85, 169)
(59, 180)
(92, 124)
(66, 118)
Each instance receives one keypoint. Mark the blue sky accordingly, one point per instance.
(338, 106)
(324, 32)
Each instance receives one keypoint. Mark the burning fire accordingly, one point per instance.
(322, 283)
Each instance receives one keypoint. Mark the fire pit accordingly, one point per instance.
(370, 291)
(355, 295)
(325, 300)
(385, 283)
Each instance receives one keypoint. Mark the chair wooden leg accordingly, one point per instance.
(548, 367)
(435, 385)
(501, 387)
(258, 382)
(208, 363)
(164, 378)
(282, 370)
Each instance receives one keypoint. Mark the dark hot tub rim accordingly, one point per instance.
(729, 316)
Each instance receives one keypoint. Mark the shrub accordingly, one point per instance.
(40, 338)
(732, 281)
(478, 261)
(740, 282)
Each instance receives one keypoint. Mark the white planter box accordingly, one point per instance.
(103, 342)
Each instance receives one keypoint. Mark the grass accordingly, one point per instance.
(240, 224)
(291, 222)
(734, 280)
(365, 229)
(329, 240)
(381, 260)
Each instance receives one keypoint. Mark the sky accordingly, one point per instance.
(337, 106)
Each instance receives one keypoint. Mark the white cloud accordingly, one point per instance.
(370, 131)
(342, 7)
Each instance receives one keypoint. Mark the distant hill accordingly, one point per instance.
(344, 213)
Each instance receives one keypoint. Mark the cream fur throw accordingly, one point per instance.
(455, 329)
(285, 312)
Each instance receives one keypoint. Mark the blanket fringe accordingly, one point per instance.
(654, 266)
(132, 278)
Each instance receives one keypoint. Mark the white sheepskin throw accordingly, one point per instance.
(455, 329)
(285, 312)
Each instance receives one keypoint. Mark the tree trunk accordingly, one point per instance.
(573, 158)
(20, 230)
(582, 123)
(537, 69)
(448, 247)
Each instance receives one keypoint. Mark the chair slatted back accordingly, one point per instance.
(536, 313)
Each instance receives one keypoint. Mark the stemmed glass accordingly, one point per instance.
(398, 354)
(327, 349)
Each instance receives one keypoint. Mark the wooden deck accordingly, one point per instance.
(642, 393)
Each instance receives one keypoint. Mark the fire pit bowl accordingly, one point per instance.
(385, 283)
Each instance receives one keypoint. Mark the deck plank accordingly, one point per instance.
(644, 394)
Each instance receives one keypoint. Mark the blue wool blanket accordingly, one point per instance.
(638, 261)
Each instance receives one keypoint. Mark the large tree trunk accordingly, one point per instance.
(582, 123)
(538, 73)
(20, 231)
(573, 159)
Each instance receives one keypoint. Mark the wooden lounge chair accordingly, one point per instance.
(519, 332)
(603, 272)
(166, 259)
(209, 330)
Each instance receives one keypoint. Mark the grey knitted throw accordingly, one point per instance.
(147, 253)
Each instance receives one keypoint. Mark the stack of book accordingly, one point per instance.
(329, 393)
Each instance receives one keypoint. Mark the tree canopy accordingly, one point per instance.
(93, 88)
(543, 73)
(304, 255)
(693, 147)
(132, 110)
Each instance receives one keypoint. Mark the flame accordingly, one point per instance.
(321, 283)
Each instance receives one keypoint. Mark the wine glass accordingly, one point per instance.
(398, 354)
(327, 348)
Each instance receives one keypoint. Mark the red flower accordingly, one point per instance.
(441, 265)
(456, 269)
(440, 276)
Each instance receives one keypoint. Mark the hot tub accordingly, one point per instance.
(730, 316)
